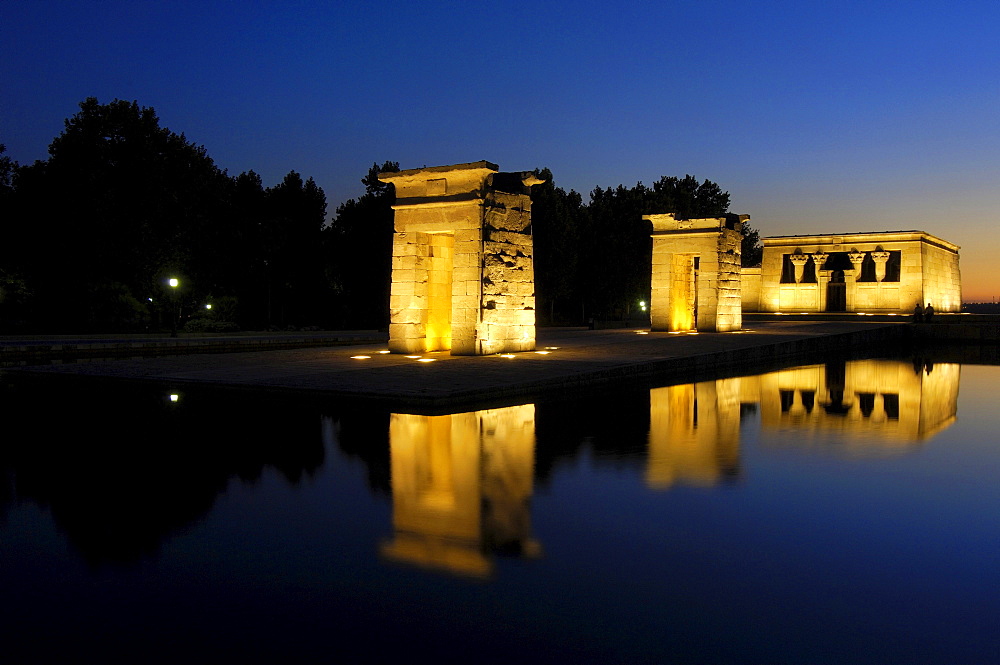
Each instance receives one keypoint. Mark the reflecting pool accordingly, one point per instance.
(843, 512)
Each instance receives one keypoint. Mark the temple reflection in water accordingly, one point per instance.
(461, 486)
(462, 483)
(694, 433)
(875, 406)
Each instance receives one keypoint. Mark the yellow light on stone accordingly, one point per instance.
(413, 357)
(552, 348)
(641, 332)
(450, 222)
(543, 353)
(384, 351)
(361, 357)
(426, 360)
(507, 355)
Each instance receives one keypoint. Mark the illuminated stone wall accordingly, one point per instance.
(797, 271)
(462, 274)
(461, 488)
(942, 279)
(696, 273)
(750, 284)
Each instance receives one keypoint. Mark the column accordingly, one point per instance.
(851, 278)
(822, 279)
(880, 259)
(799, 261)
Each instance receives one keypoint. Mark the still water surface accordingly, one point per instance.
(839, 513)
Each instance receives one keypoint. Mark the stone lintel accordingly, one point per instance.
(440, 181)
(482, 165)
(690, 233)
(668, 222)
(422, 202)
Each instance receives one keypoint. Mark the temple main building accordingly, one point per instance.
(881, 273)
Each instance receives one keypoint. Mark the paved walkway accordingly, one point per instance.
(15, 349)
(566, 357)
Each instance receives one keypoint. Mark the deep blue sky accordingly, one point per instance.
(816, 117)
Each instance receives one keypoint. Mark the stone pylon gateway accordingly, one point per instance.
(462, 273)
(696, 273)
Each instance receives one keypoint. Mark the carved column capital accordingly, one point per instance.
(880, 259)
(857, 258)
(819, 258)
(799, 261)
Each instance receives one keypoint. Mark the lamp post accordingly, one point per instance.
(173, 282)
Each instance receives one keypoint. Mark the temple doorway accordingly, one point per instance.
(683, 292)
(440, 268)
(836, 292)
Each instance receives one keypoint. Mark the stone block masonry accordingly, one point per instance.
(462, 271)
(695, 283)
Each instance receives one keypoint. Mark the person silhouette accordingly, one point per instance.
(928, 312)
(918, 313)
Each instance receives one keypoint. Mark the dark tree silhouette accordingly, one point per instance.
(7, 168)
(752, 252)
(360, 248)
(557, 221)
(122, 203)
(292, 235)
(119, 203)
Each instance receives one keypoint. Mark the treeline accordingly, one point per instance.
(93, 234)
(121, 205)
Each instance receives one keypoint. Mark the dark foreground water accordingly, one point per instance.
(846, 512)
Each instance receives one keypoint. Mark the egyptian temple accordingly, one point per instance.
(879, 273)
(463, 273)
